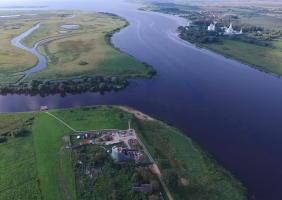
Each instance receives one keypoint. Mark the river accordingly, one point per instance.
(231, 109)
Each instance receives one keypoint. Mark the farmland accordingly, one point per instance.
(48, 171)
(65, 51)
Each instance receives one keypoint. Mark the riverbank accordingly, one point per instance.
(260, 44)
(262, 58)
(40, 154)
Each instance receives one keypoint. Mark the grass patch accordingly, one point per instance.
(92, 118)
(264, 58)
(10, 79)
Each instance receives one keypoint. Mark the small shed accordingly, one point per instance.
(145, 188)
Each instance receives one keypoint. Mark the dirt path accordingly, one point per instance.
(60, 120)
(137, 113)
(155, 169)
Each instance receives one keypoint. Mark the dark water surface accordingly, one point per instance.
(231, 109)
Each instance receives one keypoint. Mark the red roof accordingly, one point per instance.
(92, 135)
(85, 142)
(43, 107)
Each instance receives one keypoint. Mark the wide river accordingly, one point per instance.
(229, 108)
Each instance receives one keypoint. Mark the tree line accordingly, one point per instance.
(94, 84)
(199, 36)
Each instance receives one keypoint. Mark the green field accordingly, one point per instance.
(263, 58)
(38, 166)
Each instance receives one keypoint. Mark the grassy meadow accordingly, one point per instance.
(38, 166)
(10, 79)
(85, 43)
(263, 58)
(65, 50)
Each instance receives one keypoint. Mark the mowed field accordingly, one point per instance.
(38, 166)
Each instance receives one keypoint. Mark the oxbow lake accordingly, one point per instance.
(231, 109)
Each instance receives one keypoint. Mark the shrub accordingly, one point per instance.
(18, 132)
(2, 139)
(170, 177)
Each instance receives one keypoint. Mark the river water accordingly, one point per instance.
(231, 109)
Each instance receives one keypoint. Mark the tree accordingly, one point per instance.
(120, 115)
(46, 82)
(115, 195)
(2, 139)
(136, 179)
(33, 83)
(155, 185)
(18, 132)
(102, 86)
(85, 79)
(112, 184)
(133, 118)
(170, 177)
(99, 157)
(116, 80)
(108, 79)
(41, 87)
(154, 197)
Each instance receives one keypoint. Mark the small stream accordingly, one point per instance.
(41, 64)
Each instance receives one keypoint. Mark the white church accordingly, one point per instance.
(227, 31)
(211, 27)
(230, 31)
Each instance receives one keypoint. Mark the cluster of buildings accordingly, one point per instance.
(227, 31)
(120, 154)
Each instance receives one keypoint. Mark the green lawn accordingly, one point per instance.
(92, 118)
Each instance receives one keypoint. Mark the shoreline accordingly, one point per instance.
(230, 57)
